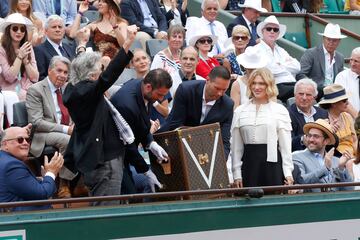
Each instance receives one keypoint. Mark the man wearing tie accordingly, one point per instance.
(249, 19)
(53, 45)
(49, 116)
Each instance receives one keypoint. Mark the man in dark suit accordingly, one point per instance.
(323, 63)
(53, 45)
(147, 16)
(203, 102)
(17, 183)
(97, 144)
(303, 111)
(139, 95)
(249, 19)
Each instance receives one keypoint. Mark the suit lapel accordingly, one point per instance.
(322, 60)
(49, 98)
(213, 112)
(50, 48)
(198, 102)
(144, 111)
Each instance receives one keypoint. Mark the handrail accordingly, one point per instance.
(258, 192)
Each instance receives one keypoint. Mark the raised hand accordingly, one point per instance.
(55, 164)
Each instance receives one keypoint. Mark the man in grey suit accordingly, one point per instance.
(323, 63)
(314, 164)
(49, 116)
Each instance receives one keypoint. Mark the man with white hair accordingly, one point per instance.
(323, 63)
(249, 18)
(350, 80)
(209, 11)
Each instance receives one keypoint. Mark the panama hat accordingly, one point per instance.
(16, 18)
(254, 4)
(252, 58)
(322, 125)
(270, 19)
(334, 93)
(332, 31)
(201, 34)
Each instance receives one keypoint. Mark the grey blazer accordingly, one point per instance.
(311, 171)
(42, 114)
(312, 65)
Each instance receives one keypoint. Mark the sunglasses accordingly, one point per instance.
(203, 41)
(16, 28)
(275, 30)
(20, 140)
(242, 38)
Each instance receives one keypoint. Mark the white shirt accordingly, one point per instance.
(349, 80)
(56, 47)
(268, 125)
(206, 106)
(57, 108)
(248, 24)
(192, 29)
(280, 63)
(308, 118)
(329, 68)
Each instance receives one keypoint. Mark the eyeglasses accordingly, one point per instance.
(204, 40)
(315, 136)
(16, 28)
(275, 30)
(242, 38)
(20, 140)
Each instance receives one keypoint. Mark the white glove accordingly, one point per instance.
(153, 180)
(159, 152)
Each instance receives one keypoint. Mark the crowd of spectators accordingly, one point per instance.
(237, 75)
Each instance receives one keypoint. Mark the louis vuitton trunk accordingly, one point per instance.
(197, 159)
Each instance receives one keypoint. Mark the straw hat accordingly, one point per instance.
(322, 125)
(252, 58)
(270, 19)
(332, 31)
(200, 34)
(334, 93)
(254, 4)
(16, 18)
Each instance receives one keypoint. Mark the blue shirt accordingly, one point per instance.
(149, 21)
(47, 7)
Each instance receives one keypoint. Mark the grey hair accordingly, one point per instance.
(356, 51)
(206, 1)
(53, 18)
(56, 59)
(83, 66)
(306, 81)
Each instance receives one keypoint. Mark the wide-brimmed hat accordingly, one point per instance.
(254, 4)
(16, 18)
(332, 31)
(334, 93)
(252, 58)
(270, 19)
(322, 125)
(201, 34)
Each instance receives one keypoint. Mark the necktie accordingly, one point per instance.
(213, 33)
(65, 119)
(62, 51)
(253, 31)
(57, 6)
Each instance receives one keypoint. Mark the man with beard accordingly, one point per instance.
(315, 165)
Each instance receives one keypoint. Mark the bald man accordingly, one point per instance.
(17, 182)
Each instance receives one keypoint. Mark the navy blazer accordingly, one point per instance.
(131, 11)
(239, 20)
(298, 122)
(187, 107)
(44, 53)
(130, 104)
(17, 183)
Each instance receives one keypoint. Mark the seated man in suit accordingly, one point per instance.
(17, 183)
(147, 16)
(322, 63)
(133, 102)
(203, 102)
(314, 164)
(48, 114)
(53, 45)
(303, 111)
(249, 18)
